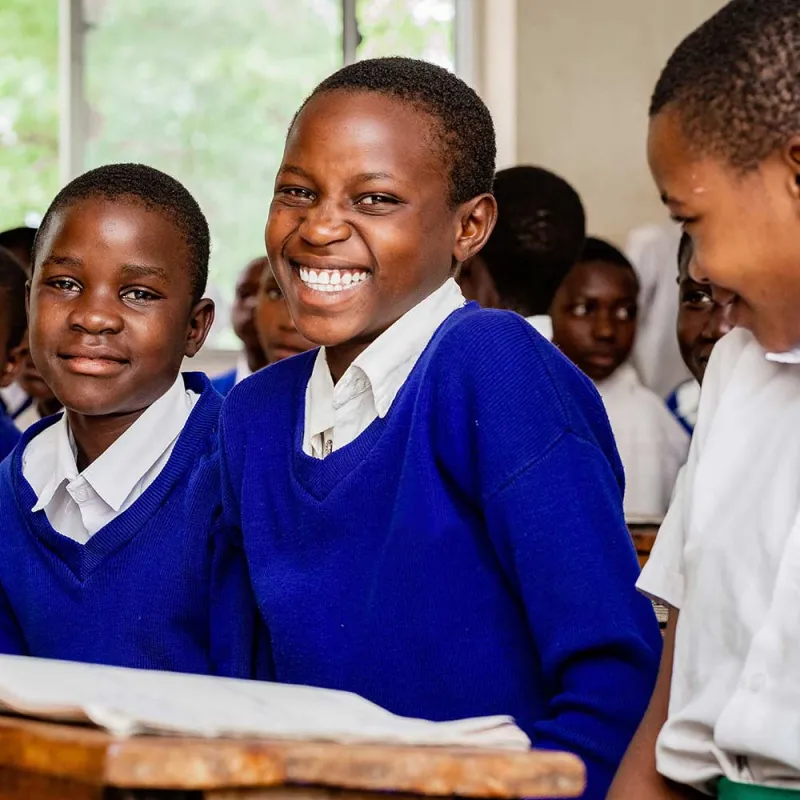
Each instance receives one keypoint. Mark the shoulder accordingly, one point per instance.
(498, 351)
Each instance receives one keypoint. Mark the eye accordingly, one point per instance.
(297, 194)
(274, 294)
(697, 299)
(138, 295)
(625, 313)
(67, 285)
(377, 199)
(580, 310)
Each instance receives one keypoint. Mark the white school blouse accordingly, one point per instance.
(78, 505)
(336, 415)
(728, 556)
(652, 444)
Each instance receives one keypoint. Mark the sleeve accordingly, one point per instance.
(552, 501)
(12, 642)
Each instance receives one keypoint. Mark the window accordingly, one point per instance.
(202, 89)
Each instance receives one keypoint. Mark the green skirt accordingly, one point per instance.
(747, 791)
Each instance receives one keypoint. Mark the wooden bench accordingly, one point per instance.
(46, 761)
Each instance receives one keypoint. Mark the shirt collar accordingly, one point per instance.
(384, 366)
(789, 357)
(114, 475)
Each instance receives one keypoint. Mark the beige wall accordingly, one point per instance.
(585, 71)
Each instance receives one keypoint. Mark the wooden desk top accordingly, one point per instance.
(93, 757)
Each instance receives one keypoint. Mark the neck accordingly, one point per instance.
(94, 435)
(342, 356)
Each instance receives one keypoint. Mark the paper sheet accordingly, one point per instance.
(127, 702)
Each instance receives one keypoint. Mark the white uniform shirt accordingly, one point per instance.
(336, 415)
(242, 369)
(78, 505)
(652, 444)
(728, 556)
(653, 250)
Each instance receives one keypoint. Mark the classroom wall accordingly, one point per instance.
(585, 72)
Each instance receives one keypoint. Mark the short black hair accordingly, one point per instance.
(19, 240)
(13, 278)
(465, 127)
(735, 81)
(155, 191)
(596, 249)
(540, 232)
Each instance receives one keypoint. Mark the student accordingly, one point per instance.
(13, 322)
(252, 358)
(702, 322)
(541, 227)
(431, 504)
(113, 551)
(40, 402)
(277, 334)
(594, 324)
(19, 242)
(724, 149)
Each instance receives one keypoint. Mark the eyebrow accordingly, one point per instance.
(363, 177)
(144, 271)
(62, 261)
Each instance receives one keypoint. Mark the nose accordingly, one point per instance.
(603, 328)
(95, 313)
(323, 225)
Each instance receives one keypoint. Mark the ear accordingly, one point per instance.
(200, 323)
(791, 157)
(477, 283)
(13, 367)
(475, 219)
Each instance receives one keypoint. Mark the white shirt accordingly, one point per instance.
(242, 369)
(652, 444)
(336, 415)
(14, 397)
(543, 323)
(78, 505)
(653, 250)
(728, 556)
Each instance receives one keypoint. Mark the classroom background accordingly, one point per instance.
(205, 90)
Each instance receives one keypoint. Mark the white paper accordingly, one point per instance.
(127, 702)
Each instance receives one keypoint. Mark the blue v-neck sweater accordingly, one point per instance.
(159, 587)
(466, 555)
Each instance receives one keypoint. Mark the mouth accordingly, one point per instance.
(330, 280)
(93, 363)
(602, 359)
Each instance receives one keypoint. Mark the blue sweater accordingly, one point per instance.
(466, 555)
(9, 434)
(159, 587)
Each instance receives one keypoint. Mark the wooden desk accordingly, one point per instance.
(644, 536)
(44, 761)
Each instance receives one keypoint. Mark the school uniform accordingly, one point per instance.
(653, 251)
(442, 531)
(15, 400)
(728, 556)
(651, 443)
(684, 404)
(225, 382)
(125, 563)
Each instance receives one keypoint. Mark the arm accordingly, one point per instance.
(637, 775)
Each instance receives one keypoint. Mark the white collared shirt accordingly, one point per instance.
(728, 556)
(651, 442)
(242, 369)
(337, 415)
(78, 505)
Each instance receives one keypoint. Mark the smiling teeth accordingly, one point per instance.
(331, 280)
